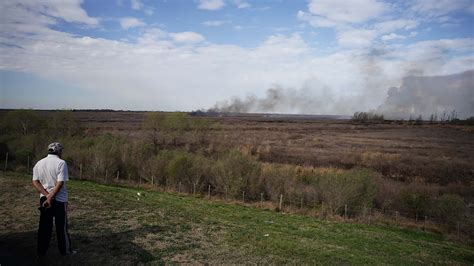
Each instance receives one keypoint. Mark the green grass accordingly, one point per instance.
(109, 225)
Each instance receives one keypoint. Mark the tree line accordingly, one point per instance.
(442, 118)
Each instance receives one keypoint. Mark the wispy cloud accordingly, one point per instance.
(242, 4)
(139, 6)
(128, 23)
(436, 8)
(394, 25)
(356, 38)
(44, 11)
(136, 4)
(187, 37)
(211, 4)
(214, 23)
(360, 23)
(392, 36)
(341, 11)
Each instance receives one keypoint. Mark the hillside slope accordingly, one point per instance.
(111, 225)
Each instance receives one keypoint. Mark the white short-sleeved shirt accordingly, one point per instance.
(50, 170)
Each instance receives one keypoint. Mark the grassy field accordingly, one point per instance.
(113, 225)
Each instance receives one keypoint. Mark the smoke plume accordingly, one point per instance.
(417, 95)
(307, 100)
(427, 95)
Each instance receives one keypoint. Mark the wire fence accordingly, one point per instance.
(461, 229)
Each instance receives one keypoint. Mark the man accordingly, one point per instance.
(49, 179)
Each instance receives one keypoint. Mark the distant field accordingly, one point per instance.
(436, 153)
(112, 225)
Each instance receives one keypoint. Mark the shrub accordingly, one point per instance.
(277, 179)
(355, 188)
(450, 208)
(175, 124)
(417, 198)
(388, 193)
(106, 154)
(181, 168)
(235, 172)
(154, 123)
(202, 171)
(155, 166)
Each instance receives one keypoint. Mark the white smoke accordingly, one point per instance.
(427, 95)
(312, 98)
(417, 95)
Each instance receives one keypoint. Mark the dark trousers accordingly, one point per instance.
(58, 211)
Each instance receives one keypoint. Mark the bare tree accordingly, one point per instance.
(154, 122)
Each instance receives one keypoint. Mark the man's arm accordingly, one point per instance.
(55, 191)
(39, 187)
(49, 195)
(37, 184)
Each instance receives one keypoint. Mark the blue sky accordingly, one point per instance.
(190, 54)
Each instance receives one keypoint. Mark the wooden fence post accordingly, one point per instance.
(117, 176)
(6, 162)
(243, 196)
(179, 187)
(261, 199)
(106, 175)
(281, 202)
(209, 191)
(458, 229)
(370, 215)
(345, 211)
(194, 188)
(226, 198)
(152, 180)
(80, 171)
(424, 223)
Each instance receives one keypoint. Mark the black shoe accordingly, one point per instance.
(71, 253)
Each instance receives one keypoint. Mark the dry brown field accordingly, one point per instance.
(438, 153)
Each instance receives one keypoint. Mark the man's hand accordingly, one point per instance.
(37, 185)
(48, 201)
(55, 190)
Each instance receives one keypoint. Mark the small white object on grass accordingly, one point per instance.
(266, 235)
(138, 193)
